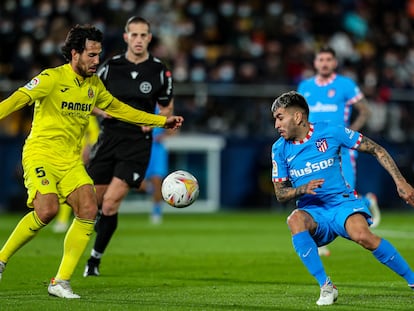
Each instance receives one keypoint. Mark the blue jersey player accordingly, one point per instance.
(306, 167)
(156, 171)
(332, 97)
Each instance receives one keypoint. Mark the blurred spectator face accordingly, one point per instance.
(25, 48)
(199, 51)
(325, 64)
(45, 8)
(227, 8)
(62, 6)
(198, 73)
(138, 38)
(47, 47)
(226, 72)
(195, 7)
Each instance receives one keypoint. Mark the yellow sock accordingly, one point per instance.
(25, 230)
(76, 240)
(64, 213)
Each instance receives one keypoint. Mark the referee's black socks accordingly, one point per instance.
(105, 228)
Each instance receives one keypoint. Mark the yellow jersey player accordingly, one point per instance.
(54, 173)
(91, 136)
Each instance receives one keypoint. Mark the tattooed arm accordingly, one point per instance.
(285, 192)
(405, 190)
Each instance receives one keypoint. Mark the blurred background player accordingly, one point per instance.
(332, 97)
(120, 158)
(65, 211)
(156, 172)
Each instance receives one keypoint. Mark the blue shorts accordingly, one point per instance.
(331, 219)
(158, 164)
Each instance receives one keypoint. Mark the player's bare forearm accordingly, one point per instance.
(384, 158)
(285, 192)
(363, 114)
(405, 190)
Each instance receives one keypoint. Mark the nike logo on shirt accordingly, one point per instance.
(358, 209)
(291, 158)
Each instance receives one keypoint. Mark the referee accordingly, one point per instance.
(120, 158)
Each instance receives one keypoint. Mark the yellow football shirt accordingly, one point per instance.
(63, 101)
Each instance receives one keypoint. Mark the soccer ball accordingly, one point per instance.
(180, 189)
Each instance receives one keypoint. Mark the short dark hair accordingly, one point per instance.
(76, 39)
(291, 99)
(137, 20)
(327, 49)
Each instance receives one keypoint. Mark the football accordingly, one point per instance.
(180, 189)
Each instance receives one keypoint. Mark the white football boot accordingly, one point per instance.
(61, 289)
(329, 294)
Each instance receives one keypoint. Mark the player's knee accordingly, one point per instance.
(297, 220)
(47, 214)
(111, 204)
(88, 210)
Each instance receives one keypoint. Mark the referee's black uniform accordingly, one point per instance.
(123, 150)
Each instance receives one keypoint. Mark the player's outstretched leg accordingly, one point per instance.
(388, 255)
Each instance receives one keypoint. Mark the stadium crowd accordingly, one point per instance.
(244, 42)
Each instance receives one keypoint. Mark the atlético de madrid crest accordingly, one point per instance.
(322, 144)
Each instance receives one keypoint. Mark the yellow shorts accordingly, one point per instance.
(41, 176)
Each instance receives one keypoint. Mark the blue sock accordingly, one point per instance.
(389, 256)
(156, 209)
(307, 250)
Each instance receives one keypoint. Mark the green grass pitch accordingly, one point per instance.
(222, 261)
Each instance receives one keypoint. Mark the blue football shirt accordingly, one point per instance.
(330, 101)
(315, 157)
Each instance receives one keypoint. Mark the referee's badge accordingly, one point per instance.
(145, 87)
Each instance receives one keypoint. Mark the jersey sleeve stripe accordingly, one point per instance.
(280, 179)
(356, 98)
(358, 142)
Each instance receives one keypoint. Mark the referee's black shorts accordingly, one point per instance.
(120, 156)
